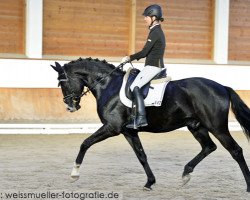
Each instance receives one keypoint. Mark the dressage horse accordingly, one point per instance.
(198, 103)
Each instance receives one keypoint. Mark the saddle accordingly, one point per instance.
(145, 89)
(153, 91)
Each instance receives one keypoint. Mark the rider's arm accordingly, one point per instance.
(147, 47)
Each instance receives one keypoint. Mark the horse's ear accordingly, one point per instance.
(58, 65)
(53, 67)
(57, 68)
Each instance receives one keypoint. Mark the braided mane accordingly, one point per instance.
(95, 61)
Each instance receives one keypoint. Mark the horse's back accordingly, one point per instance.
(196, 86)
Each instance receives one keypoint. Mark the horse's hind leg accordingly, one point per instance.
(134, 140)
(236, 152)
(207, 145)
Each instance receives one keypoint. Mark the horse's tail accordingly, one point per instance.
(241, 111)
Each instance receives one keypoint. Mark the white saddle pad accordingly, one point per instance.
(155, 94)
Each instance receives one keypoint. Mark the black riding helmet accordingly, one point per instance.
(154, 10)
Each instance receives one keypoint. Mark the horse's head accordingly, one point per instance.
(71, 85)
(92, 73)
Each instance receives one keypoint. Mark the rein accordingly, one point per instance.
(75, 98)
(90, 88)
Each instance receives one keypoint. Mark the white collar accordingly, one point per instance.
(153, 26)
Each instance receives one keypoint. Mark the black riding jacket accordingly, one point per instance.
(154, 48)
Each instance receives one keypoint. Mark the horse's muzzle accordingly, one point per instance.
(73, 109)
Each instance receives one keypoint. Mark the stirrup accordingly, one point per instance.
(132, 123)
(135, 123)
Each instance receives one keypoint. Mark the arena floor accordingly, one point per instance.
(42, 163)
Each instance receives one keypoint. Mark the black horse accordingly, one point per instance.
(198, 103)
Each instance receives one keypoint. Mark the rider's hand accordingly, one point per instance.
(125, 59)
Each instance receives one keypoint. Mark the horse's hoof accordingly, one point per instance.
(74, 178)
(147, 188)
(185, 179)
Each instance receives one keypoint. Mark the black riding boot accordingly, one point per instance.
(140, 119)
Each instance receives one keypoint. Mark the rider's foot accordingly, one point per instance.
(140, 121)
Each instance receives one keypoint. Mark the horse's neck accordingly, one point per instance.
(106, 86)
(100, 78)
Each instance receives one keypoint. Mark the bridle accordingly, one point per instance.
(73, 95)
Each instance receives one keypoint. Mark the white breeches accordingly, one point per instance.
(145, 76)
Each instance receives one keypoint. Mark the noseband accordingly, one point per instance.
(72, 94)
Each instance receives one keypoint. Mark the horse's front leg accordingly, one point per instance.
(134, 140)
(101, 134)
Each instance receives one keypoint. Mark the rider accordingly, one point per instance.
(154, 52)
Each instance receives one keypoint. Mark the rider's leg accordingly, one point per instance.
(142, 78)
(140, 119)
(146, 74)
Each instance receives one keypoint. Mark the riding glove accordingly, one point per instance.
(125, 59)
